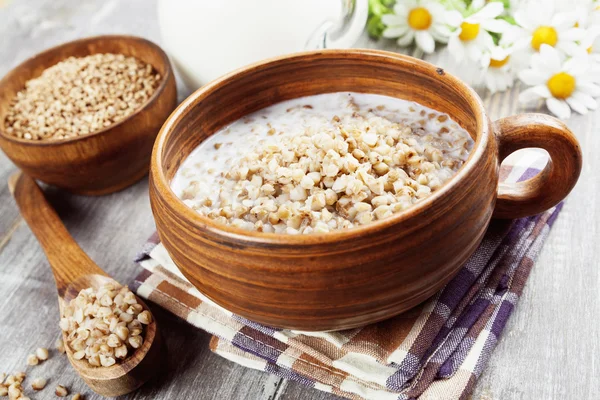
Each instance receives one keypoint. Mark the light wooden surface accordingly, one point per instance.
(550, 349)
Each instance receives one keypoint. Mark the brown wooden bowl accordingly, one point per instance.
(104, 161)
(352, 277)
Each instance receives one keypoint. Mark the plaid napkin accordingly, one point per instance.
(435, 351)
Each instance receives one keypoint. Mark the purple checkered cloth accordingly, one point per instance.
(435, 351)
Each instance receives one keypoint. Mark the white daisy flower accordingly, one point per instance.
(423, 21)
(591, 45)
(472, 38)
(586, 12)
(588, 17)
(499, 68)
(591, 42)
(540, 23)
(562, 84)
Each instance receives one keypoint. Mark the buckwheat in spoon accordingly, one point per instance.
(110, 336)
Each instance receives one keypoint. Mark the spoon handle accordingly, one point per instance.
(67, 260)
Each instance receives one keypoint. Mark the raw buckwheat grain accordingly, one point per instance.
(32, 359)
(60, 345)
(39, 383)
(104, 326)
(61, 391)
(15, 391)
(42, 353)
(79, 96)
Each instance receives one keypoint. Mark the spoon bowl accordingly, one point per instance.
(127, 375)
(74, 271)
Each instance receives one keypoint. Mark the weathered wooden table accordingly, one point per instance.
(551, 347)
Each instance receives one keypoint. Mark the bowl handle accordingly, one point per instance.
(550, 186)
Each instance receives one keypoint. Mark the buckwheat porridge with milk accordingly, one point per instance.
(322, 163)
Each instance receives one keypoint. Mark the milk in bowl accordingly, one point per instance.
(322, 163)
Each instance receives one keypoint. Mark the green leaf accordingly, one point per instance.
(380, 7)
(508, 18)
(496, 37)
(377, 8)
(375, 27)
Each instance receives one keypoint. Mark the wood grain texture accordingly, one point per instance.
(104, 161)
(73, 272)
(560, 174)
(348, 278)
(550, 348)
(341, 279)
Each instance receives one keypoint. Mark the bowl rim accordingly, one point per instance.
(150, 101)
(159, 181)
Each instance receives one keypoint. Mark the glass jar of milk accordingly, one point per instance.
(208, 38)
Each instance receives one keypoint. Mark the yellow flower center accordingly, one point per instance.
(589, 50)
(468, 31)
(499, 63)
(544, 35)
(561, 85)
(419, 18)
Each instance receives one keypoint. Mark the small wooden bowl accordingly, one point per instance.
(362, 275)
(104, 161)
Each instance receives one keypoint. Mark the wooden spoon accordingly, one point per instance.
(73, 271)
